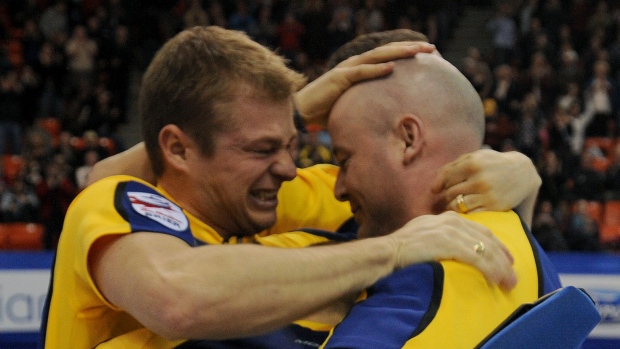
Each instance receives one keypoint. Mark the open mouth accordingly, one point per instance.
(265, 198)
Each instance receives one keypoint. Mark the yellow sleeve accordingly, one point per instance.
(308, 201)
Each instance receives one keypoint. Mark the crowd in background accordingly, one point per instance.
(549, 84)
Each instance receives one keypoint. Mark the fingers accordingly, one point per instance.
(350, 75)
(495, 261)
(455, 172)
(387, 53)
(449, 236)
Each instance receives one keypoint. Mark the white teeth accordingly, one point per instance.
(266, 195)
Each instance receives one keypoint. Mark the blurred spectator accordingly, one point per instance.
(340, 29)
(289, 35)
(588, 182)
(31, 95)
(54, 20)
(11, 93)
(66, 148)
(91, 143)
(612, 175)
(81, 52)
(583, 232)
(579, 122)
(266, 28)
(31, 41)
(507, 91)
(81, 173)
(3, 189)
(559, 133)
(601, 20)
(553, 17)
(242, 19)
(539, 79)
(195, 15)
(528, 40)
(38, 146)
(478, 72)
(527, 14)
(572, 94)
(504, 30)
(546, 229)
(19, 203)
(216, 14)
(603, 90)
(553, 178)
(530, 123)
(50, 68)
(119, 61)
(55, 193)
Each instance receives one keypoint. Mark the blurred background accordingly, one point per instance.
(547, 72)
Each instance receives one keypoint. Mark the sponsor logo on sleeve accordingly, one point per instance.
(159, 209)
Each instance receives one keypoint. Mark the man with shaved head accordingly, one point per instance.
(391, 136)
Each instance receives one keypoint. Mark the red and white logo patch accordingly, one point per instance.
(159, 209)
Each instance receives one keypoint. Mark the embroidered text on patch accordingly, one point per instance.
(158, 209)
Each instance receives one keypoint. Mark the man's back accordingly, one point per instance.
(447, 304)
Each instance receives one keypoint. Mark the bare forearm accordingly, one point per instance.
(264, 291)
(228, 291)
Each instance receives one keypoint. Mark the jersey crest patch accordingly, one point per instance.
(159, 209)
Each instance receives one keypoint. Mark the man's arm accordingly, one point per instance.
(132, 162)
(224, 291)
(316, 99)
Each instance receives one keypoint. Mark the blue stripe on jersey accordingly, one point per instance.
(391, 317)
(548, 277)
(158, 214)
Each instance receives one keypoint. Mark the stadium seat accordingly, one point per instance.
(563, 319)
(611, 212)
(609, 233)
(108, 144)
(53, 127)
(605, 144)
(11, 166)
(595, 210)
(21, 236)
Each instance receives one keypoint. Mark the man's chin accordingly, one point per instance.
(264, 222)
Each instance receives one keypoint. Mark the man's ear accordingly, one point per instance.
(173, 143)
(411, 133)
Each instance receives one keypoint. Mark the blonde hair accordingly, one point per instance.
(196, 74)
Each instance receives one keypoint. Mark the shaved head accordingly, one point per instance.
(392, 134)
(427, 86)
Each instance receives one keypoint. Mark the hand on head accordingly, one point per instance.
(316, 99)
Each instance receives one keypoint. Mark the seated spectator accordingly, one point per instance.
(587, 180)
(55, 193)
(612, 175)
(546, 229)
(19, 203)
(81, 173)
(583, 231)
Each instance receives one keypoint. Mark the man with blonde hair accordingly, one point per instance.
(156, 266)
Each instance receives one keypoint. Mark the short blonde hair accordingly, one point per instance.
(196, 73)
